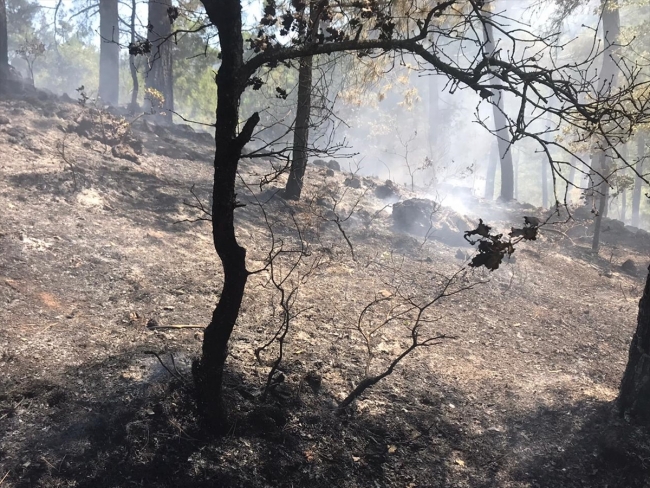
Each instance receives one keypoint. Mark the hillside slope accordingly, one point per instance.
(94, 246)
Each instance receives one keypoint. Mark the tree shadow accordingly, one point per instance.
(583, 444)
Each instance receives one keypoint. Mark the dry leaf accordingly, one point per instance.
(459, 462)
(356, 459)
(392, 449)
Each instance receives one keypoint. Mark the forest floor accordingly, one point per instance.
(93, 247)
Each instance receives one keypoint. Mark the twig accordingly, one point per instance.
(176, 326)
(164, 365)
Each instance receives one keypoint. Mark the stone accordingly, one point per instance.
(123, 151)
(4, 120)
(629, 267)
(387, 190)
(352, 182)
(333, 164)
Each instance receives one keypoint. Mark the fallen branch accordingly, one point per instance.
(175, 326)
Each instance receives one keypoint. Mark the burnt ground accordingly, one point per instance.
(94, 246)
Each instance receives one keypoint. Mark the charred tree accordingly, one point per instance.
(301, 131)
(490, 178)
(608, 77)
(544, 183)
(159, 76)
(132, 58)
(109, 52)
(501, 129)
(572, 177)
(433, 114)
(208, 370)
(638, 182)
(4, 46)
(634, 395)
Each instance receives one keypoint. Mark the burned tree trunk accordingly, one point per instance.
(602, 192)
(490, 177)
(4, 43)
(544, 183)
(132, 68)
(634, 395)
(301, 133)
(608, 77)
(502, 134)
(4, 50)
(638, 182)
(433, 114)
(159, 76)
(109, 52)
(208, 370)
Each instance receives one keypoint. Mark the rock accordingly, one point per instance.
(460, 254)
(387, 190)
(184, 130)
(172, 152)
(204, 137)
(320, 162)
(583, 213)
(629, 267)
(4, 120)
(329, 172)
(422, 217)
(612, 225)
(352, 182)
(334, 165)
(123, 151)
(414, 215)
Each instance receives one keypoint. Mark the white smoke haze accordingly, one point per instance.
(405, 123)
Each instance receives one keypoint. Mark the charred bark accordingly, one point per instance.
(159, 76)
(634, 395)
(4, 46)
(490, 177)
(602, 192)
(501, 129)
(544, 183)
(208, 370)
(638, 182)
(301, 132)
(132, 68)
(109, 52)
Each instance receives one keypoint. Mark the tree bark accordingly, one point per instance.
(490, 177)
(433, 114)
(602, 192)
(634, 395)
(544, 183)
(109, 52)
(301, 131)
(572, 176)
(608, 77)
(160, 74)
(501, 128)
(132, 68)
(638, 182)
(623, 192)
(4, 48)
(208, 370)
(516, 159)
